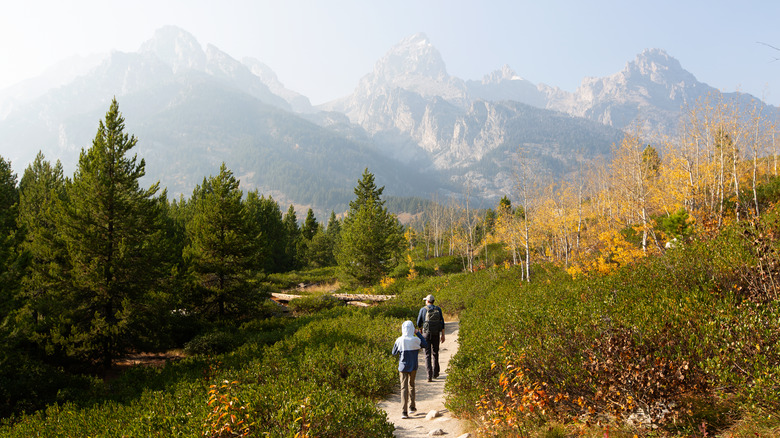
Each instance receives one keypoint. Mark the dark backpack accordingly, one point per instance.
(433, 320)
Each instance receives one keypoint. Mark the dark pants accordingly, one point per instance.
(432, 354)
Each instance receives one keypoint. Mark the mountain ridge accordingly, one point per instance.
(408, 116)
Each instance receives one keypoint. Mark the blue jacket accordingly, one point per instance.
(408, 345)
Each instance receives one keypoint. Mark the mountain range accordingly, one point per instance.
(418, 129)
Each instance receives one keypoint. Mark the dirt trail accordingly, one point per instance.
(430, 397)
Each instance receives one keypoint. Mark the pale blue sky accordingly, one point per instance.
(322, 48)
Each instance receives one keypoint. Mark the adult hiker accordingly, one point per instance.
(430, 320)
(407, 346)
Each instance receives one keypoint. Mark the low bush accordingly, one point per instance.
(314, 303)
(216, 342)
(317, 375)
(27, 383)
(670, 344)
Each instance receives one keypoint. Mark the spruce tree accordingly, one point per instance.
(112, 231)
(371, 238)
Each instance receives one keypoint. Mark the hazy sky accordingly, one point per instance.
(322, 48)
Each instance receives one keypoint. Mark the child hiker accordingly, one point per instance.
(408, 345)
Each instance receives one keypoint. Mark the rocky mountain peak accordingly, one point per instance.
(504, 74)
(413, 65)
(413, 56)
(177, 48)
(652, 87)
(657, 66)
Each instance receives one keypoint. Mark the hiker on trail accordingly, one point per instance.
(431, 322)
(408, 345)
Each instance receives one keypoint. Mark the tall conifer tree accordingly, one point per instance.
(220, 242)
(41, 191)
(9, 199)
(292, 235)
(310, 225)
(371, 237)
(265, 216)
(111, 229)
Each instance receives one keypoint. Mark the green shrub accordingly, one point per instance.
(321, 377)
(682, 338)
(28, 384)
(216, 342)
(314, 303)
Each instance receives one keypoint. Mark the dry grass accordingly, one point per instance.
(320, 288)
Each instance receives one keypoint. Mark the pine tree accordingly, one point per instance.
(304, 243)
(334, 226)
(292, 236)
(371, 238)
(309, 225)
(267, 231)
(322, 248)
(41, 191)
(9, 200)
(365, 191)
(112, 231)
(220, 243)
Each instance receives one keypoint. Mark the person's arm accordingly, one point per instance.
(396, 350)
(421, 317)
(423, 342)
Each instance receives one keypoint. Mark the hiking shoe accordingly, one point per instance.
(430, 379)
(404, 415)
(412, 410)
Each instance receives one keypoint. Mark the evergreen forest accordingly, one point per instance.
(635, 297)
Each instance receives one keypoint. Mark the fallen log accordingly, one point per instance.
(363, 297)
(343, 297)
(284, 297)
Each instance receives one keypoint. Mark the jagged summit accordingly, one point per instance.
(413, 56)
(177, 48)
(413, 65)
(653, 87)
(408, 110)
(504, 74)
(659, 67)
(506, 84)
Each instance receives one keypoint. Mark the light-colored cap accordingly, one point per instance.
(429, 298)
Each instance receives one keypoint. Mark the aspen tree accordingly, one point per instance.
(630, 168)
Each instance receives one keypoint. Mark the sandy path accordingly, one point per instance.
(430, 396)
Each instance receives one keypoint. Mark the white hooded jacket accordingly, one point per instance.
(408, 346)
